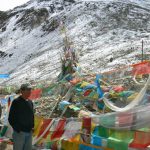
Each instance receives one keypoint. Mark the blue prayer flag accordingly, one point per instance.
(3, 76)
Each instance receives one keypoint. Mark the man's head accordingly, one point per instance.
(25, 90)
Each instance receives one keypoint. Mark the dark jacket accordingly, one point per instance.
(21, 115)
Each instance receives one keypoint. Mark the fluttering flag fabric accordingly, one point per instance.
(44, 125)
(63, 104)
(3, 76)
(124, 119)
(118, 89)
(3, 101)
(72, 128)
(119, 140)
(141, 68)
(99, 90)
(86, 130)
(132, 104)
(87, 124)
(74, 81)
(126, 93)
(84, 84)
(38, 121)
(66, 145)
(141, 139)
(87, 92)
(47, 91)
(59, 130)
(35, 94)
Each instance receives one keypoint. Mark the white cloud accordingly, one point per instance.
(10, 4)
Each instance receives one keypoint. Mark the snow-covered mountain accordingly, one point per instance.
(105, 34)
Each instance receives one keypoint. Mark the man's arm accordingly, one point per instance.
(13, 117)
(33, 113)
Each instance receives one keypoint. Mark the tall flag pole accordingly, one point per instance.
(142, 50)
(69, 57)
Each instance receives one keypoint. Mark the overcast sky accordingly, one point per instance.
(10, 4)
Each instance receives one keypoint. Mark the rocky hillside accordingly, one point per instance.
(105, 34)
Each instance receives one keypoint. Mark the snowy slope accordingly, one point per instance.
(31, 38)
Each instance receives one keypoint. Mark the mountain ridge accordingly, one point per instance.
(99, 31)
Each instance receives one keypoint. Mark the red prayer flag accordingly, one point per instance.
(125, 119)
(86, 130)
(59, 130)
(44, 125)
(35, 94)
(141, 140)
(87, 92)
(118, 89)
(141, 68)
(87, 124)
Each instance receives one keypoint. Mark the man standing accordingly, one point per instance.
(21, 118)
